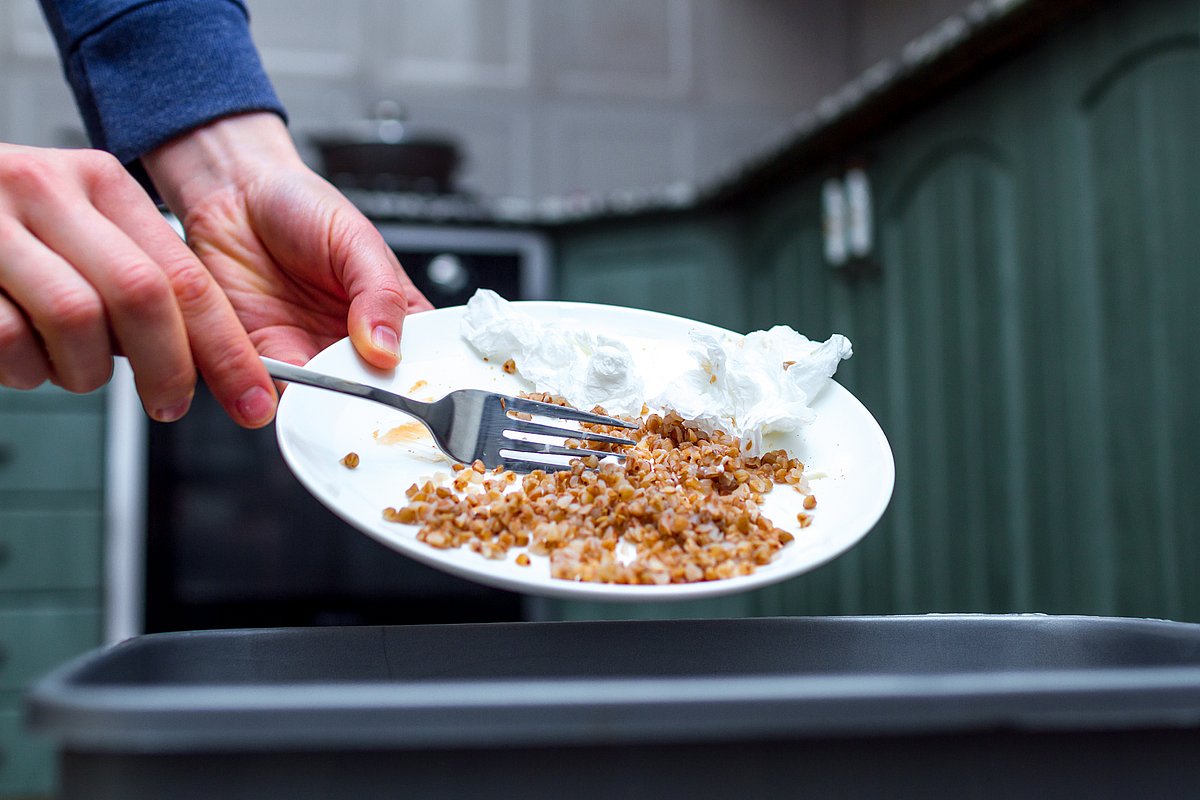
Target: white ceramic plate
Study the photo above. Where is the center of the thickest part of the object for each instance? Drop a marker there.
(844, 451)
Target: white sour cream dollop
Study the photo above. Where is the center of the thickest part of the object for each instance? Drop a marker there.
(748, 386)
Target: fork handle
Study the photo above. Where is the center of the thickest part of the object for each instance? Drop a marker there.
(290, 373)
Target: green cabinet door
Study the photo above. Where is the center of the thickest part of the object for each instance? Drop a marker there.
(687, 268)
(1034, 330)
(26, 763)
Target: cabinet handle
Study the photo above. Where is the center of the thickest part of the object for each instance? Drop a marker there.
(8, 454)
(5, 553)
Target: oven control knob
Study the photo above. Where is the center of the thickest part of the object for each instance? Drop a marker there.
(448, 273)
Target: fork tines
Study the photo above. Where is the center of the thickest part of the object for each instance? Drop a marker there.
(525, 426)
(522, 405)
(525, 447)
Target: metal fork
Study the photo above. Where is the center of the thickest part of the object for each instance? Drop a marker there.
(469, 425)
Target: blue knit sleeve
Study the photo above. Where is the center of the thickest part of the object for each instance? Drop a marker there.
(144, 71)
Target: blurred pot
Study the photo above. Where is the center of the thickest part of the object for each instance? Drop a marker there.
(384, 153)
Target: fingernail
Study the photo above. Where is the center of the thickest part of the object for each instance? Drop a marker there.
(256, 405)
(172, 413)
(386, 338)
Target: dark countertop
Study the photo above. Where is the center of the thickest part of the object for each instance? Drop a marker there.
(926, 70)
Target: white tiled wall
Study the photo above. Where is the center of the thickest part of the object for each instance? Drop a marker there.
(546, 96)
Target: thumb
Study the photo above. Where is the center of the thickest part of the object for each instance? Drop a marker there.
(378, 291)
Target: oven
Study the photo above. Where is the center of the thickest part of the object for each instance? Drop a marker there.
(209, 529)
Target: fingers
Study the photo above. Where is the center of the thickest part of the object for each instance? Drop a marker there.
(89, 267)
(23, 364)
(220, 346)
(61, 306)
(223, 352)
(133, 297)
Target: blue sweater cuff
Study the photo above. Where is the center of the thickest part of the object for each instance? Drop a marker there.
(162, 68)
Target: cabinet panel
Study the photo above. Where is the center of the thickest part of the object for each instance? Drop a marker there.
(50, 549)
(687, 269)
(955, 350)
(1140, 216)
(34, 641)
(26, 764)
(671, 286)
(62, 452)
(49, 398)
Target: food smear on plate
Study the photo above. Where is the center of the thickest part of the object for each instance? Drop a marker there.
(747, 386)
(683, 507)
(405, 433)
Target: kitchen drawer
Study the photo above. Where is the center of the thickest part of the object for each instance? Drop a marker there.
(34, 641)
(50, 549)
(26, 762)
(51, 451)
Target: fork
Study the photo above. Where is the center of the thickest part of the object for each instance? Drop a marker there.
(469, 425)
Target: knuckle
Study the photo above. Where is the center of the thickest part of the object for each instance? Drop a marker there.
(103, 169)
(175, 385)
(394, 294)
(29, 176)
(74, 311)
(388, 299)
(192, 286)
(228, 361)
(235, 355)
(141, 288)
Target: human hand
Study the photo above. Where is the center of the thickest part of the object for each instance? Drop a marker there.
(89, 269)
(301, 266)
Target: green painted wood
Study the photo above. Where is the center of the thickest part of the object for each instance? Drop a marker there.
(944, 255)
(51, 519)
(50, 398)
(1142, 213)
(26, 764)
(50, 549)
(1031, 361)
(687, 269)
(32, 641)
(51, 451)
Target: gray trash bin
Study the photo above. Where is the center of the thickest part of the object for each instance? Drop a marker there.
(973, 706)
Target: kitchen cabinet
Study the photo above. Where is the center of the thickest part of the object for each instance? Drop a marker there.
(686, 268)
(1025, 336)
(51, 538)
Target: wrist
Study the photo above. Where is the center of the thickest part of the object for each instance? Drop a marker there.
(218, 157)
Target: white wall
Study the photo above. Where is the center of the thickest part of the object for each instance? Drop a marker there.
(548, 96)
(879, 28)
(553, 96)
